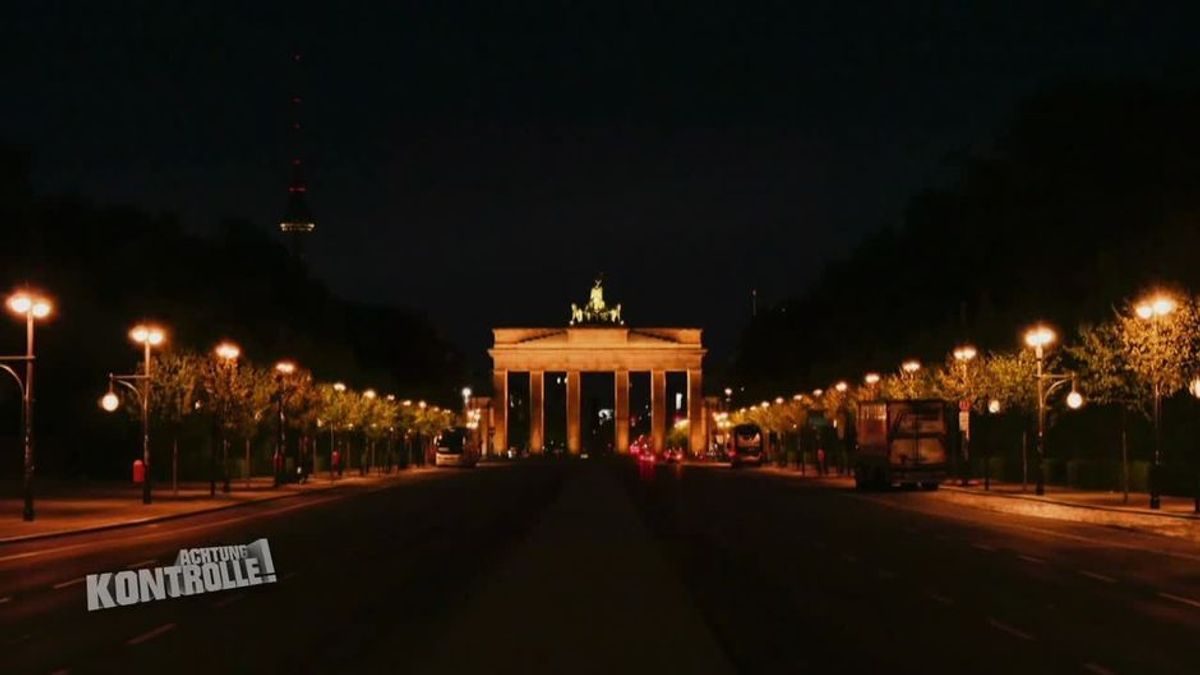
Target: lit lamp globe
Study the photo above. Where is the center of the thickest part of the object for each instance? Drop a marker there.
(1074, 400)
(110, 402)
(994, 406)
(1194, 387)
(841, 386)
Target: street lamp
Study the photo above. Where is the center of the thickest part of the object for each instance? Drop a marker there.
(841, 387)
(282, 370)
(1039, 338)
(1152, 309)
(963, 355)
(148, 336)
(30, 307)
(227, 354)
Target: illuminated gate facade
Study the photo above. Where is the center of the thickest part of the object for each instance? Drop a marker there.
(597, 341)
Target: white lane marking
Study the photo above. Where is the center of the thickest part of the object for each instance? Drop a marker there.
(938, 597)
(1102, 543)
(1029, 558)
(984, 547)
(150, 634)
(1098, 669)
(1177, 598)
(228, 601)
(1098, 577)
(1015, 632)
(143, 563)
(64, 584)
(7, 598)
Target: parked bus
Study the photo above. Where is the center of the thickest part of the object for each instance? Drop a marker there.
(746, 445)
(455, 448)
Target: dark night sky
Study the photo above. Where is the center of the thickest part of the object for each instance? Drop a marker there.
(485, 163)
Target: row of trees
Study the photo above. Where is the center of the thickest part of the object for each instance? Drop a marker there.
(236, 400)
(1147, 353)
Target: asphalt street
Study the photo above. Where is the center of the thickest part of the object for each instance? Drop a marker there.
(804, 576)
(780, 574)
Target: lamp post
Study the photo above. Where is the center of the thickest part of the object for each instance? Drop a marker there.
(1194, 390)
(908, 372)
(283, 369)
(993, 408)
(30, 307)
(963, 355)
(148, 336)
(1152, 310)
(227, 354)
(1039, 338)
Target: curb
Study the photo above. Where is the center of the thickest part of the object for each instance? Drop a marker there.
(22, 538)
(1060, 502)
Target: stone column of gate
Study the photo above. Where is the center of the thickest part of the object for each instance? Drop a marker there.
(621, 412)
(500, 411)
(537, 411)
(574, 430)
(697, 430)
(658, 409)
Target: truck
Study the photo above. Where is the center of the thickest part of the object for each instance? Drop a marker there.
(903, 442)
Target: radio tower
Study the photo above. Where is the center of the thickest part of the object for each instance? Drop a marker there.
(297, 220)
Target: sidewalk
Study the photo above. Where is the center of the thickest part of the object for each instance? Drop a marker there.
(586, 592)
(64, 507)
(1174, 519)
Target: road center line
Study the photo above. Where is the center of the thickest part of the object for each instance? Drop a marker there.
(1098, 577)
(1098, 669)
(1003, 627)
(938, 597)
(1029, 558)
(143, 563)
(984, 547)
(1181, 599)
(149, 635)
(7, 598)
(228, 601)
(64, 584)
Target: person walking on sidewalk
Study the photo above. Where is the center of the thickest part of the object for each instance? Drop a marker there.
(821, 461)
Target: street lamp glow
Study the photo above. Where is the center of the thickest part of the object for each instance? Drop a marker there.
(285, 367)
(144, 334)
(728, 391)
(1039, 336)
(778, 400)
(817, 392)
(41, 309)
(911, 366)
(421, 404)
(391, 397)
(339, 387)
(965, 353)
(369, 394)
(871, 379)
(841, 386)
(765, 404)
(228, 351)
(1159, 305)
(994, 406)
(1194, 387)
(466, 392)
(110, 401)
(1074, 400)
(1144, 310)
(20, 303)
(406, 402)
(798, 397)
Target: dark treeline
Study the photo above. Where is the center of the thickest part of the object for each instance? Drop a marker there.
(1087, 201)
(107, 267)
(1090, 197)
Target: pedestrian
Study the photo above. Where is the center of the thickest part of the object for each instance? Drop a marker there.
(821, 461)
(335, 463)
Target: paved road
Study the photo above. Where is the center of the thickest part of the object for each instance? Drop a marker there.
(798, 576)
(772, 573)
(355, 567)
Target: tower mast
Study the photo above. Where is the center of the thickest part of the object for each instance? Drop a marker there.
(297, 220)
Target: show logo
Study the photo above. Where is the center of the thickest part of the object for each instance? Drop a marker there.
(196, 570)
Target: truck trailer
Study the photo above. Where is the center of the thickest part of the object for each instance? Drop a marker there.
(903, 443)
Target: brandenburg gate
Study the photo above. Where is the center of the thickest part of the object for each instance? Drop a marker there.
(597, 340)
